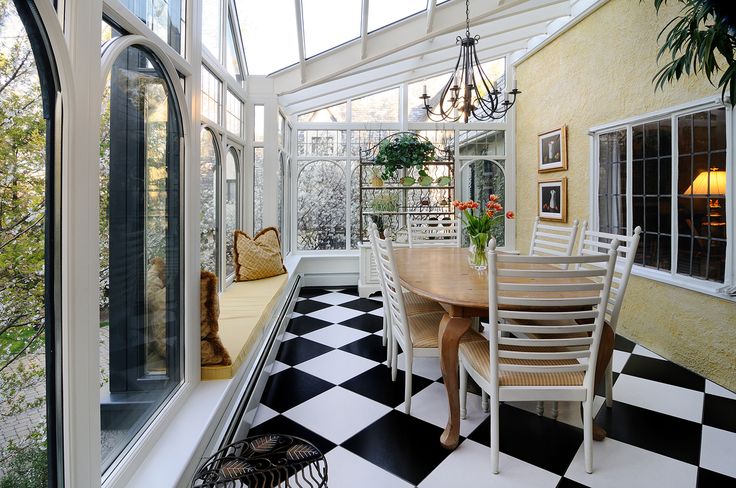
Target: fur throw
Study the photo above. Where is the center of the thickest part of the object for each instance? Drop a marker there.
(212, 349)
(156, 305)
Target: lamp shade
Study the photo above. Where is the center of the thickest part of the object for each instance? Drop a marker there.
(715, 180)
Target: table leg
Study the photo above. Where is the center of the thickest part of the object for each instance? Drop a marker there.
(605, 351)
(451, 330)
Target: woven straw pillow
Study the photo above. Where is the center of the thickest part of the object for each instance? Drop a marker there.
(259, 257)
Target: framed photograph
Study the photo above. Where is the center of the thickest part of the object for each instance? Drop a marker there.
(553, 150)
(552, 199)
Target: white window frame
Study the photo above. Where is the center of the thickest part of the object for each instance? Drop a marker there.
(672, 277)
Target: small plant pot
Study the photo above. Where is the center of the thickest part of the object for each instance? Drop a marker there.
(376, 181)
(425, 180)
(407, 181)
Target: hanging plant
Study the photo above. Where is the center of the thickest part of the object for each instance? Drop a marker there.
(694, 42)
(404, 151)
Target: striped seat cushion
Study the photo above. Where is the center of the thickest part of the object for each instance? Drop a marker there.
(477, 355)
(425, 329)
(417, 304)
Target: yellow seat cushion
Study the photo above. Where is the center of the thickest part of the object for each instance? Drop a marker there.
(258, 257)
(245, 308)
(416, 304)
(425, 329)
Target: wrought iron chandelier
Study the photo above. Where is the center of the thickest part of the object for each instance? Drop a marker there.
(469, 91)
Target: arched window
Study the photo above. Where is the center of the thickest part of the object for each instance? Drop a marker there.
(481, 177)
(232, 206)
(321, 205)
(29, 408)
(209, 174)
(140, 243)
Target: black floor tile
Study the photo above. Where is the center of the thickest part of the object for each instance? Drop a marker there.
(600, 389)
(307, 306)
(305, 324)
(719, 412)
(363, 304)
(312, 291)
(663, 371)
(403, 445)
(351, 290)
(568, 483)
(711, 479)
(670, 436)
(538, 440)
(623, 344)
(376, 384)
(291, 387)
(283, 425)
(366, 322)
(370, 347)
(298, 350)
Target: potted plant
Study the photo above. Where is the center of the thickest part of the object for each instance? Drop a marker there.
(479, 226)
(376, 180)
(405, 151)
(381, 204)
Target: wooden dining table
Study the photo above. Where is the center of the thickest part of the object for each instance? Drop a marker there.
(444, 275)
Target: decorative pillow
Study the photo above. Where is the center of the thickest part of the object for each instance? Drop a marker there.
(259, 257)
(212, 349)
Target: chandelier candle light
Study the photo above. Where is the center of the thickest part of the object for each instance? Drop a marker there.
(479, 227)
(479, 97)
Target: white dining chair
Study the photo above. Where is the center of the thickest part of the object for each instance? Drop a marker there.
(417, 334)
(552, 366)
(553, 240)
(414, 303)
(424, 232)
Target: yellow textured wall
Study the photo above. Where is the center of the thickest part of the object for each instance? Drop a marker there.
(600, 71)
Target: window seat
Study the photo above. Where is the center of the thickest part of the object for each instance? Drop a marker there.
(245, 308)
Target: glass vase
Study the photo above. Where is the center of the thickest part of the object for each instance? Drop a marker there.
(477, 251)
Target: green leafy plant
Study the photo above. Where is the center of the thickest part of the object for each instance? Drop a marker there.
(388, 202)
(694, 40)
(404, 151)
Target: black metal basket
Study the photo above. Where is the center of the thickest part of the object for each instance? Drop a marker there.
(264, 461)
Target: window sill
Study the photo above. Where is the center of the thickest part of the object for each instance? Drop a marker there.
(691, 284)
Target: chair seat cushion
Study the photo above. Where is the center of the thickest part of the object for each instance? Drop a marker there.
(417, 304)
(425, 329)
(476, 355)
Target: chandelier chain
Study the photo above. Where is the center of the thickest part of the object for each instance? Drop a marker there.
(467, 18)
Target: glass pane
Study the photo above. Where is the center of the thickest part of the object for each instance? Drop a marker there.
(258, 126)
(211, 35)
(335, 113)
(23, 254)
(280, 194)
(281, 122)
(211, 96)
(140, 333)
(384, 12)
(482, 143)
(321, 205)
(257, 21)
(433, 86)
(321, 142)
(232, 63)
(208, 177)
(233, 122)
(232, 200)
(257, 189)
(109, 32)
(322, 31)
(380, 107)
(479, 179)
(166, 18)
(612, 181)
(355, 236)
(361, 140)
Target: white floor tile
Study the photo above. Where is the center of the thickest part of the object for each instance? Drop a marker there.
(337, 414)
(619, 360)
(288, 336)
(294, 315)
(616, 464)
(567, 412)
(335, 314)
(278, 367)
(336, 366)
(336, 335)
(263, 414)
(430, 405)
(643, 351)
(715, 389)
(661, 397)
(425, 367)
(378, 312)
(470, 465)
(351, 471)
(334, 298)
(717, 451)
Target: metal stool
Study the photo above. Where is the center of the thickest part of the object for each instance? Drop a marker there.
(264, 461)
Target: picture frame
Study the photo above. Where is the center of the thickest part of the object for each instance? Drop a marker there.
(552, 150)
(552, 199)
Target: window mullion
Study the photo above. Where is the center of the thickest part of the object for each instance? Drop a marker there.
(674, 231)
(629, 180)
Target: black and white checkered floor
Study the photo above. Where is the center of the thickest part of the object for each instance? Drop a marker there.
(668, 427)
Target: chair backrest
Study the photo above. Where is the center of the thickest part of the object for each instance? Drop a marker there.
(373, 231)
(547, 302)
(433, 232)
(592, 242)
(553, 240)
(393, 294)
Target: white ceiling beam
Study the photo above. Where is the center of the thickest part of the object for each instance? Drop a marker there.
(431, 7)
(300, 39)
(394, 38)
(364, 29)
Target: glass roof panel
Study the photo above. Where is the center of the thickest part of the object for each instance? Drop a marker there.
(328, 24)
(269, 34)
(232, 61)
(384, 12)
